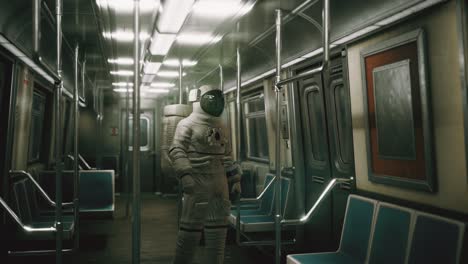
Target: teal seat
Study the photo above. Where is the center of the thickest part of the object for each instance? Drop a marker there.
(96, 191)
(354, 239)
(436, 240)
(263, 222)
(265, 206)
(391, 234)
(323, 258)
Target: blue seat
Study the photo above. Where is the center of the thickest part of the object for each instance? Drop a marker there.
(97, 191)
(391, 234)
(263, 222)
(436, 240)
(354, 239)
(264, 206)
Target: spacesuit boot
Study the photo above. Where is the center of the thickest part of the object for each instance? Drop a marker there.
(200, 155)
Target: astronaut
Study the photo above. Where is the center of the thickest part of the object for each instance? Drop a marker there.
(200, 155)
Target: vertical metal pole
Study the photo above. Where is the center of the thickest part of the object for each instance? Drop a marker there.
(36, 25)
(58, 138)
(238, 131)
(128, 181)
(76, 180)
(221, 78)
(181, 91)
(278, 213)
(326, 33)
(136, 137)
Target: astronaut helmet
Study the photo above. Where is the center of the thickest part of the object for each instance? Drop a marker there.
(211, 99)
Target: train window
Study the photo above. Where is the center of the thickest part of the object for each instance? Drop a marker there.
(37, 127)
(317, 133)
(144, 133)
(342, 124)
(255, 128)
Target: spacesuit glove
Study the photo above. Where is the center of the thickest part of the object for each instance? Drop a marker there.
(188, 184)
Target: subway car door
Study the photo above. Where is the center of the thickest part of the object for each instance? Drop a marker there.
(316, 158)
(340, 135)
(6, 97)
(147, 150)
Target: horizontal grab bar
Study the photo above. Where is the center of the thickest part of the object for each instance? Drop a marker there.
(301, 76)
(41, 191)
(331, 185)
(260, 196)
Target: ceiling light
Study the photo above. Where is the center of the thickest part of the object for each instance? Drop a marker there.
(162, 85)
(147, 78)
(157, 90)
(161, 43)
(123, 84)
(173, 17)
(123, 90)
(127, 6)
(197, 38)
(151, 67)
(125, 36)
(121, 61)
(122, 73)
(216, 8)
(169, 74)
(175, 63)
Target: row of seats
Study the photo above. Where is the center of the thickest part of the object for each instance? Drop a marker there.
(258, 216)
(97, 190)
(26, 206)
(379, 232)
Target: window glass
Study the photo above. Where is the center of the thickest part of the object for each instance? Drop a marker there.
(37, 127)
(255, 128)
(317, 131)
(144, 133)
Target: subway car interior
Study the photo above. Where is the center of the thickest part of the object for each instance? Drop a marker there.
(234, 131)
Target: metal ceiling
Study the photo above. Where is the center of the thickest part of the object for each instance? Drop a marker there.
(84, 22)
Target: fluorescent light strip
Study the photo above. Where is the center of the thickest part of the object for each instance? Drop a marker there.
(151, 67)
(124, 36)
(123, 84)
(147, 78)
(153, 90)
(173, 16)
(122, 73)
(171, 74)
(123, 90)
(176, 62)
(161, 43)
(126, 6)
(162, 85)
(195, 38)
(121, 61)
(216, 8)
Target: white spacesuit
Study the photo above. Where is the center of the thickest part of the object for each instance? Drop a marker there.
(200, 154)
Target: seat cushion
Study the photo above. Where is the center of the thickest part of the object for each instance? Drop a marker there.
(357, 226)
(391, 233)
(322, 258)
(436, 240)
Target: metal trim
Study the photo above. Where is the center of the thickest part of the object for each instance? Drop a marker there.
(462, 32)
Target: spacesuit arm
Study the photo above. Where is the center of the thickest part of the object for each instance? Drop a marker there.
(178, 151)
